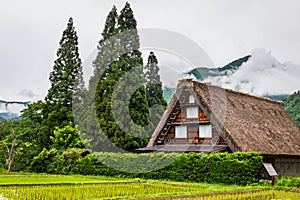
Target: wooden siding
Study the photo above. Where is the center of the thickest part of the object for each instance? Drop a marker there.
(287, 166)
(181, 117)
(202, 116)
(193, 135)
(192, 128)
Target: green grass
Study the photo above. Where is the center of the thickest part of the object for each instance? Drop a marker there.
(253, 195)
(45, 186)
(42, 179)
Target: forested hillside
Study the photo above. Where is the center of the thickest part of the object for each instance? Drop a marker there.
(292, 105)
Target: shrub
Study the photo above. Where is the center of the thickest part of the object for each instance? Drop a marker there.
(263, 182)
(2, 170)
(288, 181)
(239, 168)
(41, 162)
(67, 162)
(229, 168)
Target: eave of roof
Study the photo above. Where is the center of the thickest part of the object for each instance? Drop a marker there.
(205, 148)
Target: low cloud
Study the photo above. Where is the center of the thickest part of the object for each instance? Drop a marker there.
(28, 94)
(262, 74)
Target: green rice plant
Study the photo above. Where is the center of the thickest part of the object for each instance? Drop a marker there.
(256, 195)
(88, 191)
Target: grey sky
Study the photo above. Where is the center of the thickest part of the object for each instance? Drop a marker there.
(226, 29)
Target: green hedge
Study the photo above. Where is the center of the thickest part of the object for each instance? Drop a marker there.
(288, 181)
(239, 168)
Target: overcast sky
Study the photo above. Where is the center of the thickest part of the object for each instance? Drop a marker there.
(226, 29)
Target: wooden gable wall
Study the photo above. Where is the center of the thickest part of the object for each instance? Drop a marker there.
(192, 126)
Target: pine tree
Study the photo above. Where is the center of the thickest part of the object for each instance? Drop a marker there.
(131, 63)
(154, 89)
(132, 60)
(127, 25)
(107, 53)
(125, 42)
(106, 47)
(66, 80)
(102, 83)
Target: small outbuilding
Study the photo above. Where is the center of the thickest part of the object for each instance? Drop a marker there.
(267, 172)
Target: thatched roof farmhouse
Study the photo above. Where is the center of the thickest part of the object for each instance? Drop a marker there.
(205, 118)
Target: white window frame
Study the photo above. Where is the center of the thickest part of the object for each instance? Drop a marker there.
(192, 114)
(191, 99)
(181, 131)
(205, 131)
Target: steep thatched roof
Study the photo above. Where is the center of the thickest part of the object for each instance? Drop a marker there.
(246, 122)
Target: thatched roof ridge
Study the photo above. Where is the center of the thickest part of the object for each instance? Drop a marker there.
(238, 92)
(246, 122)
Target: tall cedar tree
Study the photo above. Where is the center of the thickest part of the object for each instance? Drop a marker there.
(101, 87)
(154, 89)
(106, 49)
(66, 80)
(132, 60)
(123, 56)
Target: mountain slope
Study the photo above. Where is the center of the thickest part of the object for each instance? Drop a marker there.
(6, 113)
(8, 116)
(202, 73)
(292, 106)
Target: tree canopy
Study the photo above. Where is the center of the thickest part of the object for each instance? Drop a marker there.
(155, 98)
(66, 81)
(121, 64)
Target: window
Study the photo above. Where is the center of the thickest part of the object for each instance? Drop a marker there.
(192, 112)
(191, 99)
(180, 131)
(205, 131)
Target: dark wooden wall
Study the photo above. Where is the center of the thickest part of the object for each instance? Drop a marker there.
(193, 128)
(287, 166)
(284, 165)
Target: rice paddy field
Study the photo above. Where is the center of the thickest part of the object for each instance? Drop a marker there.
(42, 186)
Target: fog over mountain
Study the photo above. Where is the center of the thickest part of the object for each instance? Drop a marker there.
(261, 74)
